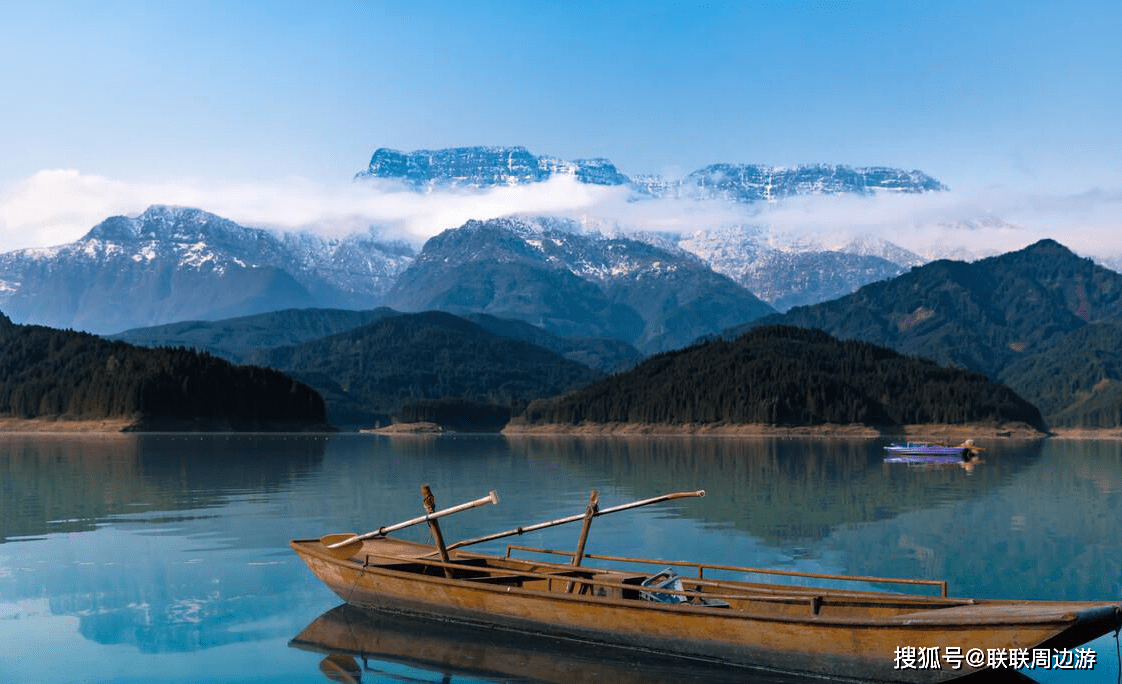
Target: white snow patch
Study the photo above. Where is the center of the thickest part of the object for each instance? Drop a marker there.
(147, 253)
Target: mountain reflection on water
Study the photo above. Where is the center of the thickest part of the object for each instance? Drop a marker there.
(72, 484)
(175, 547)
(782, 490)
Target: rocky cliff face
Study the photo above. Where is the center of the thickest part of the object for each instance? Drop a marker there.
(485, 167)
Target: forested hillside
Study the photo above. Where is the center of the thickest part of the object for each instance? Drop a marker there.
(1078, 382)
(238, 339)
(780, 375)
(367, 375)
(1007, 316)
(48, 373)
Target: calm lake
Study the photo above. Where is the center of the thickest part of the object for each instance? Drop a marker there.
(164, 557)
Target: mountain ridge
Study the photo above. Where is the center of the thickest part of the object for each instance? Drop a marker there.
(572, 283)
(179, 263)
(985, 316)
(478, 167)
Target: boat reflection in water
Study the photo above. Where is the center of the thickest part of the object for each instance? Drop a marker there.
(371, 646)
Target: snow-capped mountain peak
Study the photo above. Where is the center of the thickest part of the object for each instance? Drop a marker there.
(484, 167)
(179, 263)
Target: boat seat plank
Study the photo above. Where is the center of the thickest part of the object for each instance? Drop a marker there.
(503, 579)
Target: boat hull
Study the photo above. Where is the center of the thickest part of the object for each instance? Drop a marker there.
(858, 643)
(925, 450)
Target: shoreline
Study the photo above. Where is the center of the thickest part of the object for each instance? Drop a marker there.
(924, 432)
(110, 426)
(119, 426)
(127, 426)
(1087, 433)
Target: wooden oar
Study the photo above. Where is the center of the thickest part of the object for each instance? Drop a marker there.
(341, 668)
(345, 545)
(589, 514)
(429, 502)
(574, 518)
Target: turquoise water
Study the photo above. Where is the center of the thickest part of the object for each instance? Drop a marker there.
(165, 557)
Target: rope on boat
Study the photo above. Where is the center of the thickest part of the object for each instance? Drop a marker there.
(355, 584)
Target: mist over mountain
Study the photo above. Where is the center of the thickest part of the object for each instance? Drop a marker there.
(788, 274)
(555, 280)
(172, 264)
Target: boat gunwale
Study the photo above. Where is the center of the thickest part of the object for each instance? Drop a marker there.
(941, 584)
(914, 620)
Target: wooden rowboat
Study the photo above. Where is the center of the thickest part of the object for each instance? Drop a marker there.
(840, 634)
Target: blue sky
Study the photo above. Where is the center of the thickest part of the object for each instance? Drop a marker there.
(1022, 96)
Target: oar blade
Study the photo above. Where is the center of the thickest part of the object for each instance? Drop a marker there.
(344, 551)
(341, 668)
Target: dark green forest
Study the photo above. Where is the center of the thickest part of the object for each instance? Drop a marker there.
(1078, 381)
(238, 339)
(458, 414)
(781, 375)
(1006, 316)
(368, 374)
(46, 372)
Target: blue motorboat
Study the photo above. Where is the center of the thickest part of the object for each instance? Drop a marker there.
(923, 452)
(924, 449)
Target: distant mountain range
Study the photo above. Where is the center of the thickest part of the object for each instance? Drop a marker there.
(798, 273)
(572, 284)
(174, 264)
(786, 275)
(576, 298)
(1040, 319)
(485, 167)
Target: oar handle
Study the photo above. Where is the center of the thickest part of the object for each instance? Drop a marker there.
(644, 502)
(491, 498)
(574, 518)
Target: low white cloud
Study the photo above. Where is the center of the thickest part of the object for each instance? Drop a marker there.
(948, 223)
(58, 206)
(954, 224)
